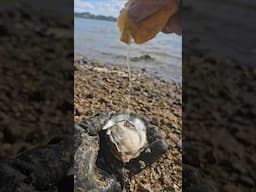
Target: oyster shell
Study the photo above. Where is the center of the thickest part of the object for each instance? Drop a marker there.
(126, 135)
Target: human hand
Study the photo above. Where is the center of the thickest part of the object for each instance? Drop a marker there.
(142, 20)
(140, 10)
(174, 24)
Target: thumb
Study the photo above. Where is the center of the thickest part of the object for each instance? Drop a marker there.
(174, 24)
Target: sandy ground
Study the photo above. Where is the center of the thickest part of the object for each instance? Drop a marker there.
(100, 88)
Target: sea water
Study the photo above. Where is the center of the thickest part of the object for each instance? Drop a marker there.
(164, 49)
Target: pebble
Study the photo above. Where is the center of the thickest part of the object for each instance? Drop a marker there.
(179, 144)
(142, 164)
(144, 188)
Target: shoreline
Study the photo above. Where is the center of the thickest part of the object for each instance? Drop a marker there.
(80, 59)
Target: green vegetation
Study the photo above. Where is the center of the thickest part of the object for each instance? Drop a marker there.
(88, 15)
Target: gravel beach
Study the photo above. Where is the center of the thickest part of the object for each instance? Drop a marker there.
(99, 87)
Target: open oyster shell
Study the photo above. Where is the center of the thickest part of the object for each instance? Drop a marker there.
(126, 135)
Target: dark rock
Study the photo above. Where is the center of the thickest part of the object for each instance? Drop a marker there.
(200, 188)
(247, 181)
(210, 157)
(190, 176)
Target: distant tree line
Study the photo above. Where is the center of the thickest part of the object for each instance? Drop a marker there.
(88, 15)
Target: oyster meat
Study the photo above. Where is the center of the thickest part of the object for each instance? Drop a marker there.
(126, 135)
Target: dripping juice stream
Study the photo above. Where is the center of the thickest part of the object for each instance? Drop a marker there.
(129, 77)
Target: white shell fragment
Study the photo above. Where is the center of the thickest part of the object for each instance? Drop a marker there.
(128, 134)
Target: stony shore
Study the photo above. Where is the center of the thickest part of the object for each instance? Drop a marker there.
(34, 75)
(100, 88)
(218, 118)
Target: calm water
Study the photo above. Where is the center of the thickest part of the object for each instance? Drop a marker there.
(99, 41)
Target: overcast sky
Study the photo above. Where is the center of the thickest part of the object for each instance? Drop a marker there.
(100, 7)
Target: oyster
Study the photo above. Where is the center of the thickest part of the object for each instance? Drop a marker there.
(127, 136)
